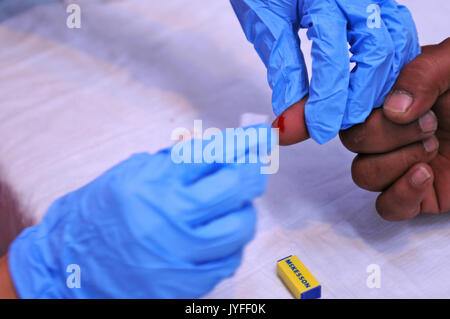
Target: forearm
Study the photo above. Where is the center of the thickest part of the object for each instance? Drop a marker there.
(7, 290)
(11, 223)
(12, 213)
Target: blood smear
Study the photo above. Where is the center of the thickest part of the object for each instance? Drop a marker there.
(280, 123)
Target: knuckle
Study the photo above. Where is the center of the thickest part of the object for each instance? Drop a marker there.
(344, 136)
(409, 156)
(398, 203)
(364, 174)
(360, 138)
(382, 211)
(391, 214)
(392, 207)
(414, 154)
(354, 137)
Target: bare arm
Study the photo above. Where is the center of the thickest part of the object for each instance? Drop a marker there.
(7, 290)
(11, 222)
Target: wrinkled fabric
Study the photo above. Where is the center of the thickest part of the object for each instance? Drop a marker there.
(311, 207)
(147, 228)
(338, 97)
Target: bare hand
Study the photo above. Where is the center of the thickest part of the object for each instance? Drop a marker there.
(404, 148)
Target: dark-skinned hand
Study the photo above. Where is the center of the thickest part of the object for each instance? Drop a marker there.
(403, 148)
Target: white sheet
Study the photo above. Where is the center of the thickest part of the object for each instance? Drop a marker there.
(75, 102)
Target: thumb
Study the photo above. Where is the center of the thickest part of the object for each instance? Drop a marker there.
(419, 84)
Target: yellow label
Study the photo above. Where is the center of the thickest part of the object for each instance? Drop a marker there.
(297, 278)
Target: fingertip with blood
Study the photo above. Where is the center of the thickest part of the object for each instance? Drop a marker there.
(291, 124)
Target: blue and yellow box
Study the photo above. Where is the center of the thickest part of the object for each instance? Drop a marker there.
(297, 278)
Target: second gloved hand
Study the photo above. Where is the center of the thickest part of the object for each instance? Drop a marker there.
(147, 228)
(382, 37)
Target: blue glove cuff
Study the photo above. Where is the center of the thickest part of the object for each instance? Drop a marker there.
(28, 270)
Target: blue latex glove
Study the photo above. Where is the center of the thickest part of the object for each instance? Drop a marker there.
(147, 228)
(338, 98)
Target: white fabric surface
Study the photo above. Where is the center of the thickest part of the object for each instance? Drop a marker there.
(75, 102)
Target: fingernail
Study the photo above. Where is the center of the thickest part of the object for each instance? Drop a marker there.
(398, 101)
(431, 144)
(420, 176)
(428, 122)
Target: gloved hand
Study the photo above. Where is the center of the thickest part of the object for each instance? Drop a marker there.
(338, 98)
(147, 228)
